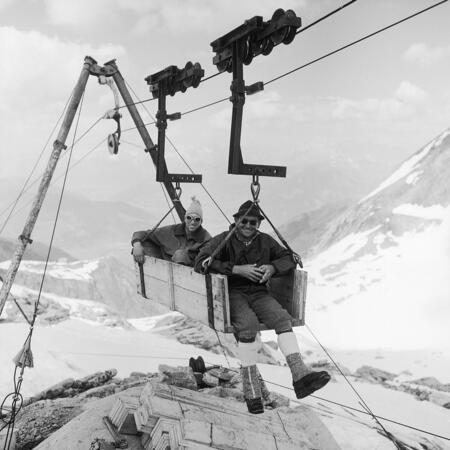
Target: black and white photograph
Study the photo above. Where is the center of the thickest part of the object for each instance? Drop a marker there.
(225, 224)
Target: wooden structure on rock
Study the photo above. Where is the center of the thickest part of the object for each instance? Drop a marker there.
(205, 297)
(176, 418)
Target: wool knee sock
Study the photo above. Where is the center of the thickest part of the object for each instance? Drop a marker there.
(247, 352)
(289, 347)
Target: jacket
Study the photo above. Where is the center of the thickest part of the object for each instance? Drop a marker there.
(262, 250)
(165, 242)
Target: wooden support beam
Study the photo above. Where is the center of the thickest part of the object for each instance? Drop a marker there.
(58, 146)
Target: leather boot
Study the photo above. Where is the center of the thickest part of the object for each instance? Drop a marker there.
(310, 383)
(252, 389)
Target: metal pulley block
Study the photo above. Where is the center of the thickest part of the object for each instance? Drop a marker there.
(113, 143)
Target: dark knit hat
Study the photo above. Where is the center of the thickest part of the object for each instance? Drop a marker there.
(254, 210)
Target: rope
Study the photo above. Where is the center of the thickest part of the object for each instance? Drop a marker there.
(17, 304)
(182, 158)
(27, 344)
(301, 30)
(314, 60)
(22, 191)
(223, 348)
(362, 401)
(295, 255)
(211, 76)
(60, 176)
(62, 156)
(355, 42)
(347, 407)
(206, 264)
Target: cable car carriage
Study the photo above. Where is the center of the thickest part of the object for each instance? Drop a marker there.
(205, 297)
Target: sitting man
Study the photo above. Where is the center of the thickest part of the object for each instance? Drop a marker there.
(250, 258)
(178, 243)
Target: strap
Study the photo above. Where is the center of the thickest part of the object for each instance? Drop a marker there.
(209, 298)
(296, 256)
(208, 261)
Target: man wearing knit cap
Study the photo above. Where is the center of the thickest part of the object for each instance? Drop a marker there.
(178, 243)
(249, 259)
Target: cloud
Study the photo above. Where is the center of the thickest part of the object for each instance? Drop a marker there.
(45, 76)
(264, 105)
(180, 16)
(5, 3)
(421, 53)
(79, 13)
(409, 92)
(406, 100)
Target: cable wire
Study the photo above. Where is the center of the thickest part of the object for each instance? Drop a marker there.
(343, 405)
(301, 30)
(355, 42)
(18, 384)
(181, 156)
(63, 155)
(362, 401)
(22, 191)
(316, 59)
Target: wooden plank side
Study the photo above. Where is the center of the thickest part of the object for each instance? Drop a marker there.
(191, 304)
(156, 279)
(221, 308)
(300, 288)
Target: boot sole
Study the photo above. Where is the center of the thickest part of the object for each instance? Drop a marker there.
(311, 383)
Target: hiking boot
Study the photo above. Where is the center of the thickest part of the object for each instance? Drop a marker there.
(310, 383)
(255, 405)
(252, 389)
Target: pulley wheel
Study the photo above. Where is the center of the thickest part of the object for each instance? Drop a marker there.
(247, 52)
(222, 66)
(113, 144)
(278, 35)
(290, 35)
(267, 46)
(187, 82)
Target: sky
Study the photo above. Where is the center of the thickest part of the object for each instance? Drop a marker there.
(361, 111)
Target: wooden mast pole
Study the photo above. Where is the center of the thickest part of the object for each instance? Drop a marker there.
(58, 146)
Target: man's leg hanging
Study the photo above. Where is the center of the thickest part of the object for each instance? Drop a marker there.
(305, 381)
(249, 372)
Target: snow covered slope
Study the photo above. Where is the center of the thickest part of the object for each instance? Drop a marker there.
(379, 277)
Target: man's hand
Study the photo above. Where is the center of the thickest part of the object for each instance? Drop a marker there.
(249, 271)
(266, 271)
(138, 252)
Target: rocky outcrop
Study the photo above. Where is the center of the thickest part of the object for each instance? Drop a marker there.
(106, 281)
(374, 375)
(428, 388)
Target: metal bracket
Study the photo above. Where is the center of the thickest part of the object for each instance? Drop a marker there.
(108, 70)
(168, 82)
(232, 51)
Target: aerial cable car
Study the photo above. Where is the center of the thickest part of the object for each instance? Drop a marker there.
(204, 297)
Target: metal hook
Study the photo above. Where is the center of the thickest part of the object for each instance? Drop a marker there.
(255, 187)
(178, 190)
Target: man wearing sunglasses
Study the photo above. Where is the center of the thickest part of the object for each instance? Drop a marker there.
(178, 243)
(249, 259)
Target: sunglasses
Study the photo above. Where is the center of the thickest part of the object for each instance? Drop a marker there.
(195, 219)
(253, 223)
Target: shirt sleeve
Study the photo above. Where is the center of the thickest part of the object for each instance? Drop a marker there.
(220, 263)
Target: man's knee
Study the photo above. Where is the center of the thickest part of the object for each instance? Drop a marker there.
(281, 322)
(246, 328)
